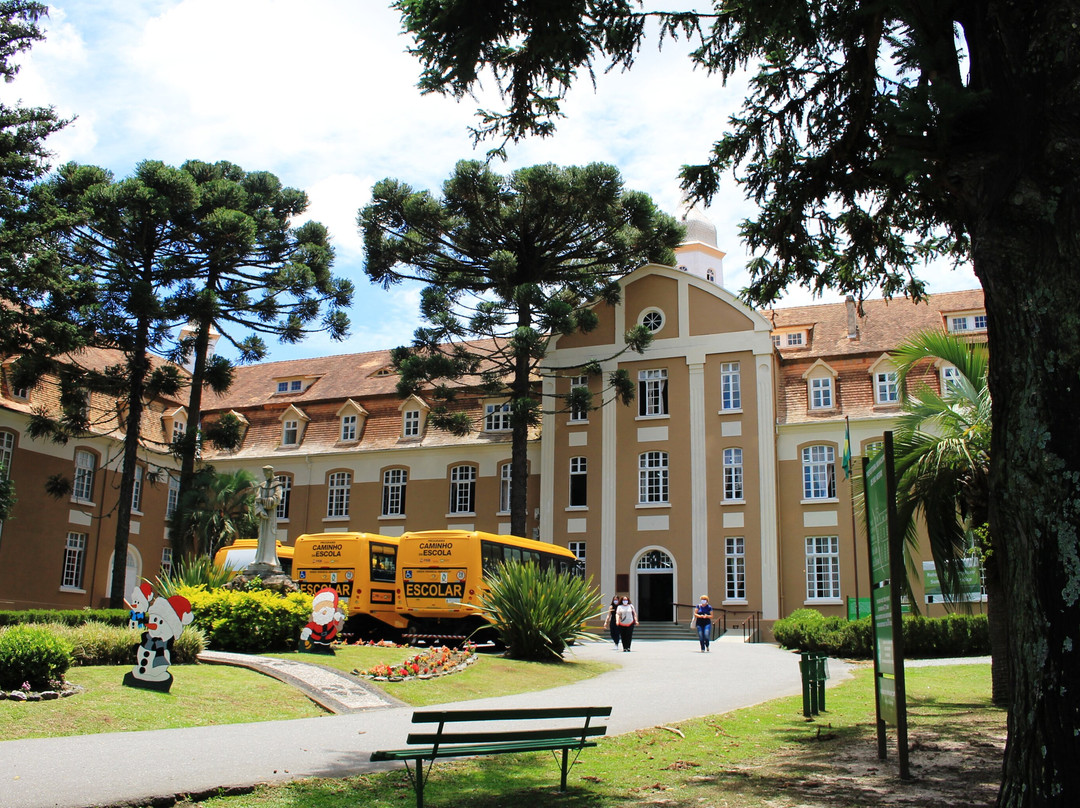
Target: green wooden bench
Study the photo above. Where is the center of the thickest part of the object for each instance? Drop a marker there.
(472, 733)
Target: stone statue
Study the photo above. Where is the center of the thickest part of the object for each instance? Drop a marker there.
(266, 503)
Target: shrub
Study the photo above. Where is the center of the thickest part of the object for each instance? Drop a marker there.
(69, 617)
(101, 644)
(197, 571)
(32, 655)
(538, 612)
(248, 621)
(952, 635)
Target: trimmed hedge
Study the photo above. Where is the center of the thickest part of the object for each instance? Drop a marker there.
(101, 644)
(68, 617)
(955, 635)
(248, 622)
(32, 656)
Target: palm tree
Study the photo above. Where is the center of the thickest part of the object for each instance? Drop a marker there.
(942, 456)
(217, 510)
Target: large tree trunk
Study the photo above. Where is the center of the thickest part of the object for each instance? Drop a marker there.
(1027, 255)
(998, 628)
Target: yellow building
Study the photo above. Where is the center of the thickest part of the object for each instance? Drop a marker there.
(724, 476)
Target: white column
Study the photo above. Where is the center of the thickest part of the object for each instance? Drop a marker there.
(609, 473)
(770, 534)
(548, 436)
(699, 510)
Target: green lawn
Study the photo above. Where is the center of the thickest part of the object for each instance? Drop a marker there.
(766, 756)
(204, 695)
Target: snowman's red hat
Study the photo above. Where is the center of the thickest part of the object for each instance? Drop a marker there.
(174, 612)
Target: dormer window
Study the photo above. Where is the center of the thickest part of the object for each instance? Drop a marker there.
(20, 393)
(410, 423)
(820, 386)
(885, 381)
(795, 339)
(293, 422)
(497, 417)
(290, 433)
(791, 337)
(175, 423)
(291, 385)
(351, 418)
(963, 323)
(413, 414)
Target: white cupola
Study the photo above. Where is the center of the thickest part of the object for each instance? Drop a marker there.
(698, 254)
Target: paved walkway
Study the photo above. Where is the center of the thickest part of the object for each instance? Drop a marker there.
(659, 682)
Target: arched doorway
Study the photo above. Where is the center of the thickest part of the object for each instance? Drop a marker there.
(655, 586)
(131, 571)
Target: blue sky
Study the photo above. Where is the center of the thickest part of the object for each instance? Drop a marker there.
(322, 93)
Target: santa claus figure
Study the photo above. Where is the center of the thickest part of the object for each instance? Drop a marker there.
(325, 617)
(165, 621)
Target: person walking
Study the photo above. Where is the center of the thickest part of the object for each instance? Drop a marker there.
(703, 622)
(610, 623)
(626, 615)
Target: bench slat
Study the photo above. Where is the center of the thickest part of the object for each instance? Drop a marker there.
(505, 736)
(468, 750)
(520, 714)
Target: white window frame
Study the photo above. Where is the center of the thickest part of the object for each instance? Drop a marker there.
(653, 393)
(7, 453)
(735, 569)
(579, 415)
(136, 490)
(819, 473)
(653, 320)
(179, 428)
(339, 485)
(166, 562)
(653, 479)
(463, 490)
(795, 339)
(733, 475)
(886, 387)
(950, 376)
(497, 417)
(821, 393)
(71, 578)
(730, 386)
(410, 424)
(172, 498)
(82, 487)
(349, 427)
(290, 432)
(505, 477)
(979, 326)
(285, 482)
(578, 549)
(282, 387)
(822, 568)
(578, 483)
(395, 482)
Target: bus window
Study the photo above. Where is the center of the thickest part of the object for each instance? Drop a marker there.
(513, 554)
(530, 556)
(383, 562)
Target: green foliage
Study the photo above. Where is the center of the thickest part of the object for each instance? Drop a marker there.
(215, 511)
(198, 571)
(955, 635)
(32, 655)
(538, 612)
(95, 643)
(69, 617)
(248, 622)
(510, 262)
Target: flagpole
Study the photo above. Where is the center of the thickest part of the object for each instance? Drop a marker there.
(851, 493)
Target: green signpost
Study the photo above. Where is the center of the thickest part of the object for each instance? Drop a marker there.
(886, 569)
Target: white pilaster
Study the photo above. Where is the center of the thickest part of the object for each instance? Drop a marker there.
(699, 510)
(770, 534)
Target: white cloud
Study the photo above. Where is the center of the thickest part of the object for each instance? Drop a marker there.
(323, 94)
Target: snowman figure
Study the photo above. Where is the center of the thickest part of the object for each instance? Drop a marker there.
(323, 628)
(139, 602)
(165, 621)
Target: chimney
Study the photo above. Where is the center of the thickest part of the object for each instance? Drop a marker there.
(852, 318)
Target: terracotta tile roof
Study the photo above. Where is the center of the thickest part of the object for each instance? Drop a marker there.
(883, 325)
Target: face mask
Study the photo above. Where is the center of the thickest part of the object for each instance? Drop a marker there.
(625, 603)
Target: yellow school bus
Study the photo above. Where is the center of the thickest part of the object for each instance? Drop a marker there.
(441, 576)
(361, 568)
(241, 552)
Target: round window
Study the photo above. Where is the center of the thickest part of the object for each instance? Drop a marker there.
(653, 320)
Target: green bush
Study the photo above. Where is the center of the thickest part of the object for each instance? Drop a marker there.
(538, 612)
(69, 617)
(924, 637)
(32, 655)
(248, 621)
(193, 572)
(101, 644)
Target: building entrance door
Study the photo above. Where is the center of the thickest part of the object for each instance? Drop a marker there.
(655, 587)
